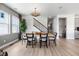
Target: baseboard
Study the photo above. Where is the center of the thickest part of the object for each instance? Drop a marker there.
(5, 45)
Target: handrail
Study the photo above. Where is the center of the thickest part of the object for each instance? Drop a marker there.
(40, 23)
(37, 27)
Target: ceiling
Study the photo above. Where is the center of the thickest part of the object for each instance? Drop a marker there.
(45, 9)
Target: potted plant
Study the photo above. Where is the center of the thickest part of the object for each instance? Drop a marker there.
(23, 26)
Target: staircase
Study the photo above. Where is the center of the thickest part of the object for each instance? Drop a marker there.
(39, 26)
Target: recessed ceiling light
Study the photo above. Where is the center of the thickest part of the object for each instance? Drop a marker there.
(49, 16)
(60, 7)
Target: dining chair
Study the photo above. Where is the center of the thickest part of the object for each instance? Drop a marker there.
(43, 39)
(23, 37)
(3, 53)
(30, 39)
(52, 37)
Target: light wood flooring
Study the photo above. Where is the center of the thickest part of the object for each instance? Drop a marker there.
(63, 48)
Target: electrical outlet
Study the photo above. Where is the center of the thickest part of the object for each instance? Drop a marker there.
(4, 41)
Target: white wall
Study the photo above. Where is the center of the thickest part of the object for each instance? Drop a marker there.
(70, 25)
(55, 26)
(29, 21)
(76, 25)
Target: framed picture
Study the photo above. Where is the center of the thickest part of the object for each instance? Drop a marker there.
(1, 15)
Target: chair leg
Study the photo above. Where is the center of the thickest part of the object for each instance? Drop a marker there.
(26, 43)
(46, 44)
(49, 42)
(55, 43)
(32, 43)
(35, 41)
(40, 43)
(22, 41)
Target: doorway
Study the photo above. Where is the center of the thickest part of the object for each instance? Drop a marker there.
(49, 24)
(62, 28)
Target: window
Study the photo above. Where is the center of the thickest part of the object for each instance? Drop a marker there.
(15, 24)
(4, 23)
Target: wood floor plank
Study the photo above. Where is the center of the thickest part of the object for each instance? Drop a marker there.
(63, 48)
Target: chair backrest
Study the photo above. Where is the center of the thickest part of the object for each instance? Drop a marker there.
(30, 35)
(43, 35)
(3, 53)
(23, 36)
